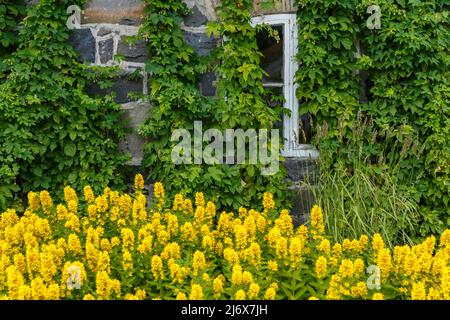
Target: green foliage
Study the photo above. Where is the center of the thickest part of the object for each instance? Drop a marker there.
(410, 74)
(177, 101)
(408, 94)
(10, 14)
(51, 132)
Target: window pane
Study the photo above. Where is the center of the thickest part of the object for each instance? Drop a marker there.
(272, 49)
(305, 126)
(275, 98)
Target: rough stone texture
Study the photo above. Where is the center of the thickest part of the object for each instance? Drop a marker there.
(84, 42)
(113, 11)
(106, 50)
(121, 87)
(202, 44)
(206, 7)
(299, 169)
(136, 53)
(135, 115)
(302, 198)
(195, 19)
(207, 84)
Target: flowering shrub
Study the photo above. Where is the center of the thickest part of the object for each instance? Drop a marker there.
(111, 246)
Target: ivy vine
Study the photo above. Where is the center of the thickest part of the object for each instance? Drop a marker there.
(51, 132)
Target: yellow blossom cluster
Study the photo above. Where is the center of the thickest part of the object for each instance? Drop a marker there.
(112, 246)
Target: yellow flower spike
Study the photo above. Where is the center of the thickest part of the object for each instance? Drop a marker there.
(377, 242)
(321, 267)
(444, 240)
(199, 199)
(199, 262)
(196, 292)
(418, 291)
(268, 202)
(384, 262)
(61, 212)
(270, 294)
(218, 287)
(181, 296)
(377, 296)
(317, 226)
(236, 276)
(157, 267)
(139, 183)
(240, 295)
(253, 291)
(89, 196)
(46, 201)
(70, 195)
(33, 201)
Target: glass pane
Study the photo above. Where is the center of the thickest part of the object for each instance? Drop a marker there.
(272, 49)
(275, 98)
(305, 126)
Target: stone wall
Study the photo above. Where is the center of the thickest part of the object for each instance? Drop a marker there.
(101, 40)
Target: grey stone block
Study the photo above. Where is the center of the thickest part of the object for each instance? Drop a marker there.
(202, 44)
(83, 41)
(303, 170)
(135, 115)
(106, 50)
(303, 200)
(195, 18)
(207, 84)
(135, 53)
(123, 85)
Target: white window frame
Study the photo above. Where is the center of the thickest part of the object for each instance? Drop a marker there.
(290, 123)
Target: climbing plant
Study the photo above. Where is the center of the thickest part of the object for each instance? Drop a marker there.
(177, 102)
(403, 68)
(10, 14)
(51, 132)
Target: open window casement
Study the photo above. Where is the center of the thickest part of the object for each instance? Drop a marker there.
(280, 64)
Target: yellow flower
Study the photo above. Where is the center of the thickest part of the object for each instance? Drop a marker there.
(139, 182)
(61, 212)
(217, 287)
(157, 267)
(346, 268)
(273, 266)
(384, 262)
(313, 298)
(103, 287)
(418, 291)
(199, 199)
(196, 292)
(231, 256)
(115, 241)
(253, 291)
(295, 250)
(325, 246)
(199, 262)
(270, 294)
(74, 244)
(247, 278)
(445, 282)
(317, 225)
(181, 296)
(358, 266)
(46, 201)
(127, 238)
(445, 238)
(88, 194)
(359, 290)
(236, 275)
(240, 295)
(377, 296)
(321, 267)
(268, 202)
(33, 201)
(127, 260)
(377, 242)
